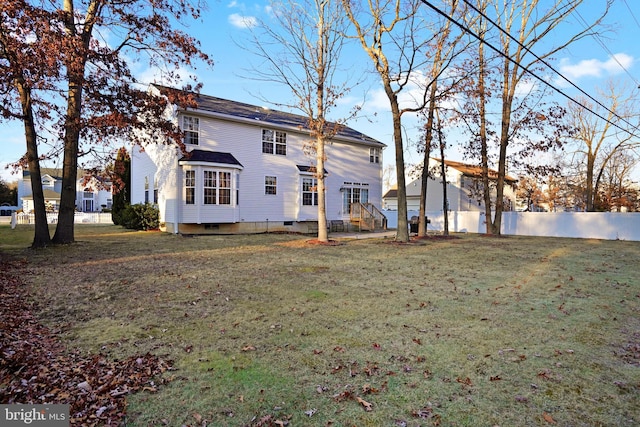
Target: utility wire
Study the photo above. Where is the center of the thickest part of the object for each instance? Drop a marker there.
(480, 39)
(558, 73)
(631, 12)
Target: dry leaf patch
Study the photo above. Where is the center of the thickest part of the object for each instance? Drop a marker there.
(36, 368)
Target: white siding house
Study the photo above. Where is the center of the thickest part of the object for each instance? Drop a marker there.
(91, 195)
(246, 170)
(464, 189)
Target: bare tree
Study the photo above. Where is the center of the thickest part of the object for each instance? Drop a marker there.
(309, 35)
(443, 174)
(444, 49)
(517, 27)
(394, 35)
(616, 192)
(598, 139)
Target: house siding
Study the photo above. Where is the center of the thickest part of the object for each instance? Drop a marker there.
(346, 162)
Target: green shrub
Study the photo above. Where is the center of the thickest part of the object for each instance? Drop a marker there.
(116, 216)
(141, 216)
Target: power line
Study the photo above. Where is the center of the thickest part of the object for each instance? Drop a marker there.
(498, 51)
(558, 73)
(631, 12)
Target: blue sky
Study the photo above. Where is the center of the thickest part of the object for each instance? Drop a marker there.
(589, 64)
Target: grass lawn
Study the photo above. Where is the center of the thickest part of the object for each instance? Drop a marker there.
(271, 330)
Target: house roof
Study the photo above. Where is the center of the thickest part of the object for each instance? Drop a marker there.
(210, 157)
(52, 172)
(237, 109)
(475, 171)
(57, 175)
(48, 195)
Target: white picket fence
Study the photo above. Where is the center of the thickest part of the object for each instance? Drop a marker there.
(591, 225)
(80, 218)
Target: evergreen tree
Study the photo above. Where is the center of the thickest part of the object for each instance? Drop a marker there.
(121, 185)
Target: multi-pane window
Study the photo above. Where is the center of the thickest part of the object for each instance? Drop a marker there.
(210, 187)
(309, 192)
(270, 184)
(274, 142)
(146, 189)
(190, 187)
(224, 190)
(374, 155)
(191, 129)
(281, 143)
(217, 188)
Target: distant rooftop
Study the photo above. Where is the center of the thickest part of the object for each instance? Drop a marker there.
(475, 171)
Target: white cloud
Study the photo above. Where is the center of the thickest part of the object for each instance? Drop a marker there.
(525, 87)
(616, 64)
(240, 21)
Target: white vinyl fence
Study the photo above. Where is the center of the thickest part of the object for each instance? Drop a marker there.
(591, 225)
(80, 218)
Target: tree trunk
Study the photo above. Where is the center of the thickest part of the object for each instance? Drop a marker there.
(443, 173)
(590, 197)
(75, 65)
(402, 233)
(41, 237)
(424, 181)
(66, 216)
(320, 127)
(484, 156)
(422, 224)
(322, 209)
(509, 85)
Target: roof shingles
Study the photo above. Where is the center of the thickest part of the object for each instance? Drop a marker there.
(241, 110)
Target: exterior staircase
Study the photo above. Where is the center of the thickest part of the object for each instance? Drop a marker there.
(367, 217)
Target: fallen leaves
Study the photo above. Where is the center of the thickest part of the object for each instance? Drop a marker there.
(465, 382)
(349, 394)
(366, 405)
(36, 368)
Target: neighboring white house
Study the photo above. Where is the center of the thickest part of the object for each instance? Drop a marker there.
(464, 189)
(248, 169)
(91, 195)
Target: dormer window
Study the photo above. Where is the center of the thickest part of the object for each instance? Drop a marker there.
(191, 129)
